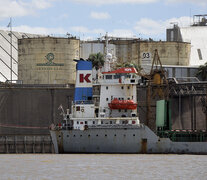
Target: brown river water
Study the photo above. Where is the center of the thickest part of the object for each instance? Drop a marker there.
(102, 166)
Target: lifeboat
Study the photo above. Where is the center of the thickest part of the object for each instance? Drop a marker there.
(122, 104)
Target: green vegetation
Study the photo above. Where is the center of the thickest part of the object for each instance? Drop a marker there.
(202, 72)
(97, 60)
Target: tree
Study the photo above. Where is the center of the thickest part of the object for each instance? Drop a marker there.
(97, 60)
(202, 72)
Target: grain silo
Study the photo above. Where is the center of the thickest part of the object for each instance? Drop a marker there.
(171, 53)
(47, 60)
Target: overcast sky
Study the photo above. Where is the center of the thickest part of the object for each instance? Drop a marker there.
(93, 18)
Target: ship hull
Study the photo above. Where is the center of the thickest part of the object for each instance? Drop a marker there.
(120, 140)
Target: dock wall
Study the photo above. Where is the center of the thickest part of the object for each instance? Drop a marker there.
(26, 144)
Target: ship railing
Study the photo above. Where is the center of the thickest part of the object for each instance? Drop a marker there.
(121, 126)
(105, 118)
(84, 102)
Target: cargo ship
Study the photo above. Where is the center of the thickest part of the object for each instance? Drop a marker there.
(109, 123)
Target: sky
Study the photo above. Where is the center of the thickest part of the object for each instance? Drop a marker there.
(91, 19)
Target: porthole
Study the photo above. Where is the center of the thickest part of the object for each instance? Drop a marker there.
(105, 135)
(133, 134)
(67, 135)
(114, 134)
(74, 135)
(97, 135)
(89, 135)
(81, 135)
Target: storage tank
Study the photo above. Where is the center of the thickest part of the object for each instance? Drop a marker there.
(170, 53)
(47, 60)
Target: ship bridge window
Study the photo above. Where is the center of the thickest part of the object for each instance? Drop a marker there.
(117, 76)
(108, 76)
(128, 76)
(77, 108)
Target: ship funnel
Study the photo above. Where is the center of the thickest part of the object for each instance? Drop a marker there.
(83, 86)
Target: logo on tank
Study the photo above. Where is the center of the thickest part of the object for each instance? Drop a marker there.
(50, 61)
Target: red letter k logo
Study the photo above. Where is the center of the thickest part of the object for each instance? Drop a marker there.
(82, 78)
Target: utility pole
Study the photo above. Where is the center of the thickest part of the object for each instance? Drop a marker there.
(11, 45)
(10, 25)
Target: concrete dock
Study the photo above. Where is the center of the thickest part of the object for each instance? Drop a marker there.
(26, 144)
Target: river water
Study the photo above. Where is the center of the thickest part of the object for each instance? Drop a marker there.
(102, 166)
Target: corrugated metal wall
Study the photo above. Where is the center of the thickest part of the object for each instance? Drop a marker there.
(31, 110)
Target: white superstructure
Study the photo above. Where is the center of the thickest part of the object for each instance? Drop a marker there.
(118, 99)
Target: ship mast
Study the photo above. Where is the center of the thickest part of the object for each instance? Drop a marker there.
(108, 56)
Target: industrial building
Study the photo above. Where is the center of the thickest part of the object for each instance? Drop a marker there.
(30, 63)
(9, 53)
(20, 67)
(140, 52)
(194, 34)
(47, 60)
